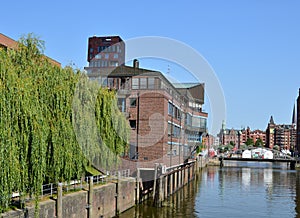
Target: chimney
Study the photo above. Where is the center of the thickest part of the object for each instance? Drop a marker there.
(135, 63)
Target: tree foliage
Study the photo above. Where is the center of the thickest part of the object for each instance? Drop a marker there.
(259, 143)
(249, 142)
(38, 139)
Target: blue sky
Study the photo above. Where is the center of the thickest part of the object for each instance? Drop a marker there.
(253, 46)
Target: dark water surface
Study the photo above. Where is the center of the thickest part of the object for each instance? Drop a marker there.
(243, 190)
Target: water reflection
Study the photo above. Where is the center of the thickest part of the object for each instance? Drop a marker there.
(180, 204)
(236, 190)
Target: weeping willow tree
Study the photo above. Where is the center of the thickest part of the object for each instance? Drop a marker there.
(100, 128)
(39, 142)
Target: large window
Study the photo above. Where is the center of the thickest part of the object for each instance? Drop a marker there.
(173, 130)
(188, 119)
(122, 104)
(151, 83)
(135, 83)
(143, 83)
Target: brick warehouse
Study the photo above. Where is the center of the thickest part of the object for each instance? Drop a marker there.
(166, 119)
(8, 43)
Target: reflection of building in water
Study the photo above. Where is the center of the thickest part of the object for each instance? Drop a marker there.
(246, 177)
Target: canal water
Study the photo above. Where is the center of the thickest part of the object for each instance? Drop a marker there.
(242, 190)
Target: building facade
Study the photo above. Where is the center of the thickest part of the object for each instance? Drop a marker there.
(282, 135)
(166, 119)
(238, 137)
(105, 52)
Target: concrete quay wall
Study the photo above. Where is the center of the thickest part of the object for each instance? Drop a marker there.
(107, 201)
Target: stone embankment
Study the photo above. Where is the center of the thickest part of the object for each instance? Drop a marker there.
(111, 199)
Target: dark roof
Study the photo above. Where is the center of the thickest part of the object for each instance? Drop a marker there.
(121, 71)
(130, 71)
(195, 90)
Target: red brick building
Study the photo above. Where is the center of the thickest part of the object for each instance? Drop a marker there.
(106, 51)
(8, 43)
(282, 135)
(239, 137)
(166, 119)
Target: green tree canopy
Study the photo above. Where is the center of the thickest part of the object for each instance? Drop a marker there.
(249, 142)
(259, 143)
(38, 139)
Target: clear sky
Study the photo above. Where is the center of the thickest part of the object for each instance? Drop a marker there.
(252, 45)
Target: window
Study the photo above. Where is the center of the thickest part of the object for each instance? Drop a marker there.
(132, 124)
(106, 56)
(203, 123)
(169, 129)
(188, 119)
(170, 108)
(116, 56)
(143, 83)
(178, 114)
(132, 102)
(121, 104)
(98, 56)
(135, 83)
(110, 82)
(114, 63)
(151, 83)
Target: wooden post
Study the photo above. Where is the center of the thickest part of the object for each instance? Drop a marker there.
(166, 186)
(154, 182)
(90, 199)
(179, 178)
(175, 181)
(161, 191)
(138, 186)
(171, 183)
(59, 201)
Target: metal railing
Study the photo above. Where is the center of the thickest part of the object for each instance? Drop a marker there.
(49, 190)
